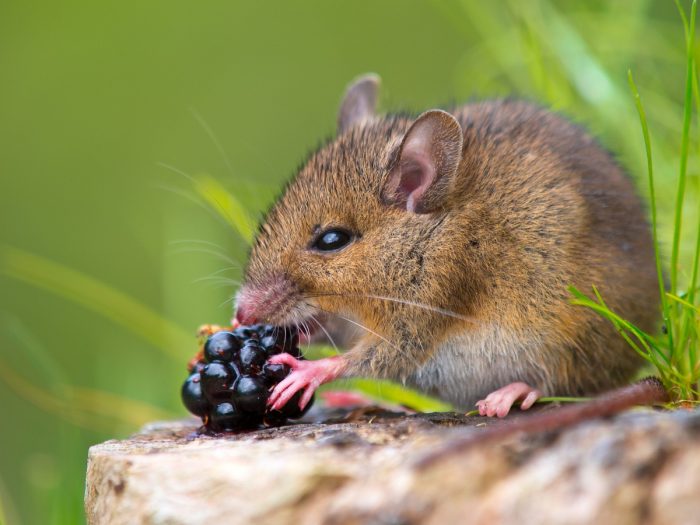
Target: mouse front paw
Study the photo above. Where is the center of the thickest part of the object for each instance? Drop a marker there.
(304, 375)
(499, 402)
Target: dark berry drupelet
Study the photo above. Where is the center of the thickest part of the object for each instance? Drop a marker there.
(230, 382)
(192, 395)
(216, 378)
(252, 357)
(221, 346)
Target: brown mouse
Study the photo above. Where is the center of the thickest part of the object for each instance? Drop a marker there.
(451, 238)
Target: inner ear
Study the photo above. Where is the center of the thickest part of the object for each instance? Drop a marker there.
(427, 162)
(416, 176)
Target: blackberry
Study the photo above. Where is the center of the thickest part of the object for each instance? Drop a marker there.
(230, 380)
(267, 330)
(292, 410)
(216, 378)
(198, 367)
(192, 396)
(251, 394)
(244, 333)
(253, 357)
(280, 339)
(221, 347)
(288, 339)
(225, 416)
(269, 344)
(274, 373)
(274, 418)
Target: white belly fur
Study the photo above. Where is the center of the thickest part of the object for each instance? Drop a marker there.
(467, 368)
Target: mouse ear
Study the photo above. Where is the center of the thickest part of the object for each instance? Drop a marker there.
(359, 102)
(422, 174)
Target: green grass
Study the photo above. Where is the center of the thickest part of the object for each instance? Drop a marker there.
(102, 273)
(673, 355)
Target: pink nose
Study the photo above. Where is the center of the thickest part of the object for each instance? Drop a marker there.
(263, 302)
(243, 314)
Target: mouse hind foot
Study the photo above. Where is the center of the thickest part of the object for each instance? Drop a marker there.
(499, 402)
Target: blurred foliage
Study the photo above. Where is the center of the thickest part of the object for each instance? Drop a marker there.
(136, 140)
(674, 354)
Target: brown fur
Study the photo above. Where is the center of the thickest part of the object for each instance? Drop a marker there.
(536, 205)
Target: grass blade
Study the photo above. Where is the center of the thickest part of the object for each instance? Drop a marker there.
(388, 391)
(652, 198)
(379, 390)
(8, 512)
(84, 407)
(682, 301)
(226, 205)
(685, 139)
(96, 297)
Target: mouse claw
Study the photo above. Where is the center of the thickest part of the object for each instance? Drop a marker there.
(304, 375)
(499, 402)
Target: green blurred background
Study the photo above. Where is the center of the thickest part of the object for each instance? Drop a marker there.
(116, 117)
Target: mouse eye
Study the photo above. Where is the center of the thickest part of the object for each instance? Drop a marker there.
(332, 240)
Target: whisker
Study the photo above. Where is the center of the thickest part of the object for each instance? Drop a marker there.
(193, 199)
(225, 269)
(207, 251)
(308, 334)
(313, 318)
(197, 241)
(185, 194)
(369, 330)
(229, 300)
(200, 120)
(216, 276)
(176, 170)
(219, 282)
(296, 326)
(363, 327)
(435, 309)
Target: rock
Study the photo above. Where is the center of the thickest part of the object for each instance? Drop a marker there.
(370, 466)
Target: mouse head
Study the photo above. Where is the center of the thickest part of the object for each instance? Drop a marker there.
(353, 232)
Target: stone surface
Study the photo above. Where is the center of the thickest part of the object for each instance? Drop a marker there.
(369, 466)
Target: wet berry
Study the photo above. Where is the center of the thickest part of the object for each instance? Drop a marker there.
(243, 333)
(292, 410)
(269, 344)
(274, 418)
(221, 347)
(259, 328)
(230, 380)
(267, 330)
(225, 416)
(234, 370)
(274, 373)
(253, 357)
(251, 394)
(288, 339)
(198, 367)
(192, 396)
(216, 379)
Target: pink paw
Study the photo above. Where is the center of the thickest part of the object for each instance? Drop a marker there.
(305, 375)
(499, 402)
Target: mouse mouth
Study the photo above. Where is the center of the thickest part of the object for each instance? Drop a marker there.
(278, 301)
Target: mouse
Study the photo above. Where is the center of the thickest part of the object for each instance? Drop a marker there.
(439, 248)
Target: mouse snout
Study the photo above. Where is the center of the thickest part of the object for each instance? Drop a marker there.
(269, 302)
(243, 315)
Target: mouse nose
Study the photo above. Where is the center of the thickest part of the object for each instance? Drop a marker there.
(269, 301)
(243, 312)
